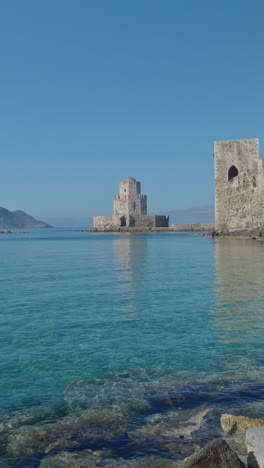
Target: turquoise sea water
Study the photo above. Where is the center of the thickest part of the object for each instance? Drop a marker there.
(162, 308)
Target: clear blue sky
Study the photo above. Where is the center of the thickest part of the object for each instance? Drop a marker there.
(95, 91)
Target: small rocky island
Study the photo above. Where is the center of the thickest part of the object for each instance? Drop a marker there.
(19, 219)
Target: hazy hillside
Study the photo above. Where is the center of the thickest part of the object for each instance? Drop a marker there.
(19, 219)
(202, 214)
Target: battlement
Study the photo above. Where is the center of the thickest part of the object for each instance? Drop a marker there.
(126, 196)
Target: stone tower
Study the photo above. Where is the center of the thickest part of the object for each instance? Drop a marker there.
(130, 211)
(239, 185)
(130, 202)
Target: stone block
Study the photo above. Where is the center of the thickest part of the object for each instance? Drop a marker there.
(215, 454)
(255, 446)
(231, 423)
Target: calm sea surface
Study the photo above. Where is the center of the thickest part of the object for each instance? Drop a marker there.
(133, 316)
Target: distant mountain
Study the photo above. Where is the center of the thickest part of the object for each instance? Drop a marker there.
(201, 214)
(19, 219)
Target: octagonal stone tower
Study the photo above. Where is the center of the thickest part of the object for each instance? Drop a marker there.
(130, 210)
(130, 202)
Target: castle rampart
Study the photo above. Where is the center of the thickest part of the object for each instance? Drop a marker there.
(239, 186)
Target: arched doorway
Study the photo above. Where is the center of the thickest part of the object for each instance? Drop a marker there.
(232, 173)
(123, 221)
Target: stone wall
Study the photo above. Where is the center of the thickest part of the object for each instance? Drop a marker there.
(114, 223)
(239, 182)
(151, 221)
(120, 205)
(198, 227)
(106, 223)
(161, 221)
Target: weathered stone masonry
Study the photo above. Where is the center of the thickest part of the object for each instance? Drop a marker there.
(130, 210)
(239, 186)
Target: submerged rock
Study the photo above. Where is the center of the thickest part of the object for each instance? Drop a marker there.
(77, 439)
(131, 415)
(255, 447)
(83, 459)
(124, 394)
(89, 459)
(172, 426)
(231, 423)
(28, 416)
(178, 434)
(216, 454)
(71, 433)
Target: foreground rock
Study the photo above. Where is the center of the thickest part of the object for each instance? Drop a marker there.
(216, 454)
(231, 423)
(255, 447)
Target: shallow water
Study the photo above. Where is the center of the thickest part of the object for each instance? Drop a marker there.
(154, 324)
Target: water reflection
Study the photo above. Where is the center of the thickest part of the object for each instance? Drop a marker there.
(130, 262)
(239, 310)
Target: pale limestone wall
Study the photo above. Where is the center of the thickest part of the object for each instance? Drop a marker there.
(113, 223)
(239, 203)
(102, 223)
(130, 201)
(120, 205)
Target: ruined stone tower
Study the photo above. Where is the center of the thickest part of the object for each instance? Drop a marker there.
(239, 185)
(130, 210)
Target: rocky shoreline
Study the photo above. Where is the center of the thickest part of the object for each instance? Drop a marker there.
(177, 228)
(255, 234)
(206, 230)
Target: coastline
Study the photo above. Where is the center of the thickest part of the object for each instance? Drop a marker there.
(196, 229)
(254, 234)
